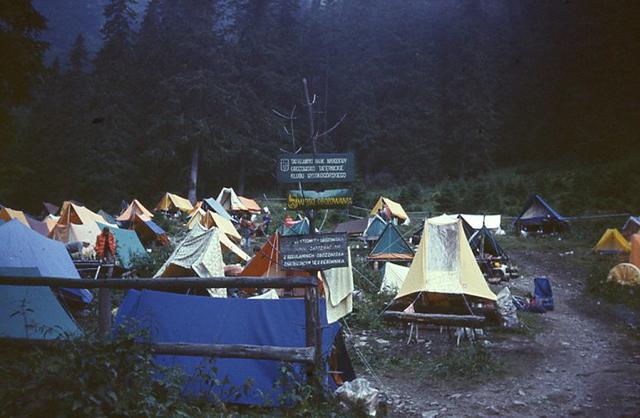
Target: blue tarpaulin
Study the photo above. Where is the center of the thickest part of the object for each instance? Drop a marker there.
(213, 205)
(173, 318)
(20, 246)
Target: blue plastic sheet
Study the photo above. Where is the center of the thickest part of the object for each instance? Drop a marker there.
(172, 318)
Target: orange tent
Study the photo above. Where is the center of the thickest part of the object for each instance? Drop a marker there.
(7, 214)
(251, 205)
(634, 256)
(134, 208)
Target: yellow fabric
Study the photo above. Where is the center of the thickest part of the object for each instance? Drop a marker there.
(134, 208)
(195, 218)
(195, 209)
(51, 222)
(612, 240)
(394, 276)
(209, 219)
(172, 201)
(396, 208)
(338, 290)
(464, 277)
(229, 245)
(79, 215)
(7, 214)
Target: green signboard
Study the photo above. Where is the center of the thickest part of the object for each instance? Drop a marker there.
(327, 199)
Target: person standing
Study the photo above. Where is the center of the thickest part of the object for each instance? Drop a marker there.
(106, 249)
(246, 229)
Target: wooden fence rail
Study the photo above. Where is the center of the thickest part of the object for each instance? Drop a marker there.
(311, 354)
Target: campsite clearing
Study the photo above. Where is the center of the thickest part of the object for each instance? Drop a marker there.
(583, 358)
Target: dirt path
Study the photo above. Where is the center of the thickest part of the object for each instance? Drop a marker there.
(582, 361)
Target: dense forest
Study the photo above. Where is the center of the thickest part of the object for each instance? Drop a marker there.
(432, 90)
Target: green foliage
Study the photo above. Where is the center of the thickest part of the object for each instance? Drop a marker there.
(610, 292)
(84, 378)
(467, 361)
(148, 264)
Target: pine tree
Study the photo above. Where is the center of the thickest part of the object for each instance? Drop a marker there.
(78, 56)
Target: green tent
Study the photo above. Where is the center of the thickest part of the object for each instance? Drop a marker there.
(32, 311)
(128, 245)
(391, 246)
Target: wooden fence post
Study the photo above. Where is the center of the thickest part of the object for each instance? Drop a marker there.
(104, 309)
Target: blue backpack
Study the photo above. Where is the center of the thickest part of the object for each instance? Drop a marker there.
(542, 292)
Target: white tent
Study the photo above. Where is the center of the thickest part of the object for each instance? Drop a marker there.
(394, 276)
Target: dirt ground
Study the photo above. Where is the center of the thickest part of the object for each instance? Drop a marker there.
(583, 359)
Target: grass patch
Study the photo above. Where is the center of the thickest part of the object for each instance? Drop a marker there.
(610, 292)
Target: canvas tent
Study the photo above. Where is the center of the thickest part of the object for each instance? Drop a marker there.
(444, 263)
(149, 231)
(251, 205)
(172, 318)
(209, 219)
(86, 233)
(395, 208)
(391, 246)
(107, 217)
(612, 242)
(631, 226)
(353, 228)
(199, 254)
(375, 228)
(21, 247)
(134, 208)
(72, 213)
(634, 254)
(215, 206)
(393, 278)
(7, 214)
(172, 203)
(38, 226)
(300, 227)
(483, 243)
(230, 201)
(32, 311)
(538, 217)
(266, 262)
(50, 208)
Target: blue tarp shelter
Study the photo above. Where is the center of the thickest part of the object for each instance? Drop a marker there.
(375, 228)
(173, 318)
(215, 206)
(538, 217)
(391, 246)
(32, 311)
(23, 247)
(483, 242)
(128, 245)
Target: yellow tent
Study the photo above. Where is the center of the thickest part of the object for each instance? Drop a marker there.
(209, 219)
(172, 202)
(444, 263)
(134, 208)
(7, 214)
(251, 205)
(79, 215)
(612, 241)
(51, 221)
(195, 209)
(394, 207)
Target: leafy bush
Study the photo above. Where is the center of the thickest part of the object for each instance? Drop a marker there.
(84, 378)
(148, 264)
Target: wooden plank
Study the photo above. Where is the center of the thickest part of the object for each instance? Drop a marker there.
(469, 321)
(259, 352)
(165, 283)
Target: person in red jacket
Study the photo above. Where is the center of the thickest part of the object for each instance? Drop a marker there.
(106, 248)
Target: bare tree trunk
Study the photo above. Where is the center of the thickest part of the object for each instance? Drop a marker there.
(193, 180)
(310, 109)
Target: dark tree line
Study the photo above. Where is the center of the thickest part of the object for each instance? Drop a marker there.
(432, 89)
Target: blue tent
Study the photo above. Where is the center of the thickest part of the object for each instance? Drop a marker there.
(538, 216)
(375, 228)
(483, 242)
(391, 246)
(173, 318)
(32, 311)
(214, 205)
(298, 228)
(128, 245)
(23, 247)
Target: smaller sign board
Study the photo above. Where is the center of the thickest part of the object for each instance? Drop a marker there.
(314, 252)
(315, 168)
(327, 199)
